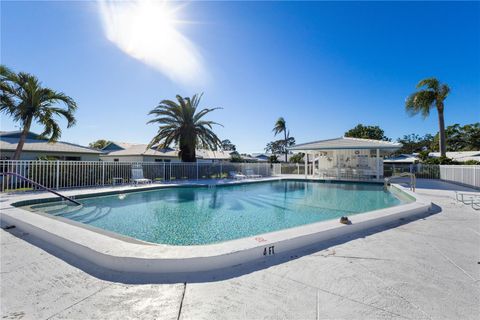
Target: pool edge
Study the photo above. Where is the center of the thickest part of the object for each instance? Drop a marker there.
(120, 255)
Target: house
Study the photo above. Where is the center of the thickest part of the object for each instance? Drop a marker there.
(403, 158)
(137, 152)
(36, 148)
(265, 157)
(459, 156)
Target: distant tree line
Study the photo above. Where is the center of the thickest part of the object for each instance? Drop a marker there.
(457, 137)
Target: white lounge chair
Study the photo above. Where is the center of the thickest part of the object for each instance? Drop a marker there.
(469, 198)
(137, 176)
(251, 174)
(236, 175)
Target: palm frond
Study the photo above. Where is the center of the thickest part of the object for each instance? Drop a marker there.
(430, 83)
(420, 102)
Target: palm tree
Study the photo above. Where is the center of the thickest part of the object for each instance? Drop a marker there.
(181, 124)
(281, 126)
(24, 99)
(432, 93)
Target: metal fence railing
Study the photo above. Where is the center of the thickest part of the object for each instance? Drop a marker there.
(291, 168)
(77, 174)
(466, 175)
(422, 171)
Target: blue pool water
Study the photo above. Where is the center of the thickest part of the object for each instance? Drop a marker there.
(201, 215)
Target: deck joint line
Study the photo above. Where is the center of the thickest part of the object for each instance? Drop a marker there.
(181, 301)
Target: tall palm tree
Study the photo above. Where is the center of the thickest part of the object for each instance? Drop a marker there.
(281, 126)
(432, 94)
(24, 99)
(182, 124)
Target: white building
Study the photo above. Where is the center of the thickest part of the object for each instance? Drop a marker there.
(459, 156)
(36, 148)
(345, 157)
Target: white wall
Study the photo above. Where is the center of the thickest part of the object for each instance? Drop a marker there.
(122, 158)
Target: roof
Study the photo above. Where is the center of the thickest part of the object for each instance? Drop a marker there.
(266, 156)
(17, 134)
(346, 143)
(137, 149)
(458, 155)
(402, 158)
(8, 142)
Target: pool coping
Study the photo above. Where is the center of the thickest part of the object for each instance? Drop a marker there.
(119, 254)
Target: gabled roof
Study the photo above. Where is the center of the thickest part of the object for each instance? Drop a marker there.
(139, 149)
(457, 155)
(402, 158)
(33, 143)
(346, 143)
(131, 149)
(16, 134)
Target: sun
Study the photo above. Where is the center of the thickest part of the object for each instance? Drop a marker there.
(146, 30)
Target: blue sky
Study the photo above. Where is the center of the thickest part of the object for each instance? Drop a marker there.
(323, 66)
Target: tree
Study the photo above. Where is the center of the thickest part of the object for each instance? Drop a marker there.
(415, 143)
(472, 136)
(279, 146)
(236, 157)
(273, 159)
(431, 94)
(181, 123)
(281, 126)
(227, 145)
(99, 144)
(367, 132)
(460, 138)
(297, 158)
(23, 97)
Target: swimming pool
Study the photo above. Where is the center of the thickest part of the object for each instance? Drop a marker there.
(206, 215)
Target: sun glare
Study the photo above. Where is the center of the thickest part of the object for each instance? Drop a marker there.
(146, 30)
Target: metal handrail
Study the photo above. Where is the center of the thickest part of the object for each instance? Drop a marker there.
(413, 179)
(40, 186)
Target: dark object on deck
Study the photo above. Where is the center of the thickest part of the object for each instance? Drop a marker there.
(345, 220)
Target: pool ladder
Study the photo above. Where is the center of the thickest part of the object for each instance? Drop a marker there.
(413, 180)
(40, 186)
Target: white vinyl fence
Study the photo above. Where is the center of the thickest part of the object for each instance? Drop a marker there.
(466, 175)
(76, 174)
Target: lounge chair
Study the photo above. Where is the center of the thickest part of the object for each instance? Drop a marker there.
(236, 175)
(251, 174)
(469, 198)
(137, 176)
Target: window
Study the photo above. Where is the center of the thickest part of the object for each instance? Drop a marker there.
(158, 160)
(116, 159)
(167, 160)
(72, 158)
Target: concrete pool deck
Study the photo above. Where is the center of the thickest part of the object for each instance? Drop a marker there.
(421, 269)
